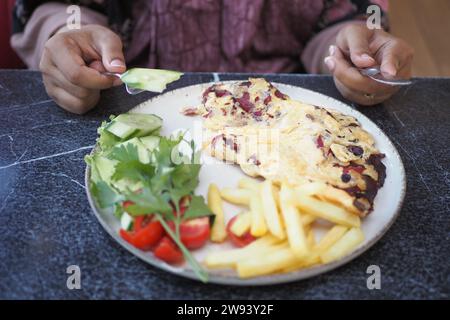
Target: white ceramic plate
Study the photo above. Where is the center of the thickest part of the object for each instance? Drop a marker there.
(386, 207)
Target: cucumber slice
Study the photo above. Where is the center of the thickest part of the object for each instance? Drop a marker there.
(129, 125)
(150, 142)
(154, 80)
(120, 130)
(143, 123)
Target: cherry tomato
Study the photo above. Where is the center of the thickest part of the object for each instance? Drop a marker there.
(241, 241)
(138, 223)
(146, 233)
(167, 251)
(126, 235)
(193, 233)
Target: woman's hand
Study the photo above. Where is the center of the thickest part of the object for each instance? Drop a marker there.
(358, 47)
(71, 64)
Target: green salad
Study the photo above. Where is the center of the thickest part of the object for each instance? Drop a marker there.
(150, 184)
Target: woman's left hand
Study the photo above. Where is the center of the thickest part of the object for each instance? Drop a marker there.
(359, 47)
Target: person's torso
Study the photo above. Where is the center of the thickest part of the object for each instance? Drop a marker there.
(223, 35)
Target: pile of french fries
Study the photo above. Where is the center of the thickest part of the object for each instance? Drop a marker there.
(283, 220)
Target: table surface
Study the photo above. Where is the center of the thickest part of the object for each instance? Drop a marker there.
(46, 223)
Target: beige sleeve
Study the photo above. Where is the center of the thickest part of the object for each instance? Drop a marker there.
(45, 21)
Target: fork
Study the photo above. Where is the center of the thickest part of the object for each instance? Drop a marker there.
(375, 74)
(129, 89)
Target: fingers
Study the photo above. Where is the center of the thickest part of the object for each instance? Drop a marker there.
(68, 59)
(352, 84)
(72, 64)
(98, 65)
(359, 47)
(349, 75)
(70, 102)
(361, 98)
(395, 55)
(354, 41)
(69, 96)
(110, 47)
(58, 79)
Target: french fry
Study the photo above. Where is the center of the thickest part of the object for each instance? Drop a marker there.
(326, 210)
(249, 184)
(310, 237)
(281, 217)
(229, 258)
(311, 259)
(349, 241)
(292, 221)
(307, 219)
(305, 263)
(242, 223)
(276, 260)
(328, 193)
(270, 210)
(258, 227)
(330, 238)
(218, 231)
(236, 196)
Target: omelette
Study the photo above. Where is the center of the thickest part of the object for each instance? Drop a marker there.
(270, 135)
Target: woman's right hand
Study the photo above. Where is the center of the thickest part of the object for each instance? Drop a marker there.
(71, 64)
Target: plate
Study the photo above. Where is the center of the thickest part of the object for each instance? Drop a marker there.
(168, 105)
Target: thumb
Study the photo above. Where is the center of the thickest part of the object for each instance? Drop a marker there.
(98, 65)
(110, 46)
(391, 59)
(389, 65)
(355, 40)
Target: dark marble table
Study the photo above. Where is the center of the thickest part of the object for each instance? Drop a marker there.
(46, 223)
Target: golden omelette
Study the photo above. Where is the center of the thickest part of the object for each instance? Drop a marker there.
(270, 135)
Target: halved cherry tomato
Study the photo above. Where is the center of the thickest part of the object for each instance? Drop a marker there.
(241, 241)
(146, 233)
(193, 233)
(138, 223)
(127, 236)
(168, 251)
